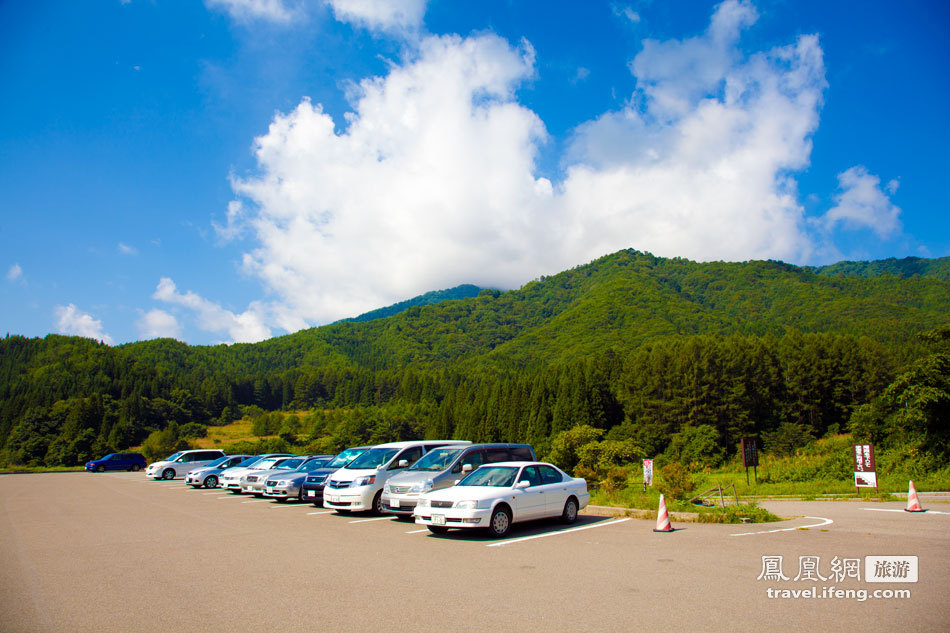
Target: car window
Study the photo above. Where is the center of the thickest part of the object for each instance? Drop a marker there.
(498, 476)
(411, 455)
(493, 455)
(522, 454)
(550, 475)
(475, 458)
(530, 474)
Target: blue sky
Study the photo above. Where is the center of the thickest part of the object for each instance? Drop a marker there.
(231, 170)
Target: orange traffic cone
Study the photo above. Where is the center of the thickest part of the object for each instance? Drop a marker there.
(913, 505)
(663, 518)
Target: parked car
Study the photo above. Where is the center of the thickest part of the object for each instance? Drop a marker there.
(117, 461)
(254, 481)
(497, 495)
(208, 476)
(444, 467)
(231, 480)
(312, 488)
(181, 463)
(359, 486)
(283, 486)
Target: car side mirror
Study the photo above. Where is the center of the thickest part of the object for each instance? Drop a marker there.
(522, 484)
(466, 468)
(403, 463)
(457, 481)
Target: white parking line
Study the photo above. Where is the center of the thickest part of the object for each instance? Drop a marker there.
(257, 501)
(376, 519)
(900, 510)
(791, 529)
(285, 505)
(576, 529)
(417, 531)
(324, 512)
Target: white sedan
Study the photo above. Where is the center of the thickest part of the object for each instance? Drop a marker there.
(497, 495)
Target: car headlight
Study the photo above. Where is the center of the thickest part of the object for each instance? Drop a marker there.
(466, 505)
(422, 503)
(424, 486)
(364, 481)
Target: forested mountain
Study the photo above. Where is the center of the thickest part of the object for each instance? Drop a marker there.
(656, 353)
(465, 291)
(906, 267)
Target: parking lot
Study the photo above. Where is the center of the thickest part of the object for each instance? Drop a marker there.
(118, 552)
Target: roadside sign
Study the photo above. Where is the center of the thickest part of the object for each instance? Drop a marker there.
(648, 472)
(750, 457)
(865, 470)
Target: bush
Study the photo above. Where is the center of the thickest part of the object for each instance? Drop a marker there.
(698, 445)
(193, 430)
(676, 481)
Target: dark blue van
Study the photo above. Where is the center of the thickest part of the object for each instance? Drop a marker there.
(117, 461)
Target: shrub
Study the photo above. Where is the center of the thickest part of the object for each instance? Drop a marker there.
(676, 481)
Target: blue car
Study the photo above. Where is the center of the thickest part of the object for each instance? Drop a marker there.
(117, 461)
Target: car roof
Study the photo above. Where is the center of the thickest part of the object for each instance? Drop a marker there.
(422, 443)
(518, 464)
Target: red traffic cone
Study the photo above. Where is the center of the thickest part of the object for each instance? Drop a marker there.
(913, 504)
(663, 518)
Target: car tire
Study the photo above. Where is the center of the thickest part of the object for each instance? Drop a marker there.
(378, 503)
(100, 468)
(438, 529)
(136, 468)
(570, 511)
(500, 522)
(168, 474)
(211, 481)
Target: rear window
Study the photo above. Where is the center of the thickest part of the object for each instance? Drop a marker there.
(522, 454)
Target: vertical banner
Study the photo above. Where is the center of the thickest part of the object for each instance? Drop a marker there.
(865, 471)
(648, 472)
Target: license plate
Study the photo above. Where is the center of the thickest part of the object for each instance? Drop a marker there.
(269, 491)
(333, 499)
(394, 503)
(311, 493)
(438, 519)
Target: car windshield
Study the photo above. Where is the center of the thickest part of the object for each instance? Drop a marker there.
(219, 460)
(312, 465)
(247, 462)
(499, 476)
(345, 457)
(111, 456)
(265, 464)
(438, 460)
(289, 464)
(373, 458)
(173, 457)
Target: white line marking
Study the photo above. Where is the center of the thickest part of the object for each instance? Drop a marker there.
(892, 510)
(791, 529)
(324, 512)
(577, 529)
(368, 520)
(257, 501)
(417, 531)
(284, 505)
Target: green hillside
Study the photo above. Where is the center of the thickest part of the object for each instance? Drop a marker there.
(641, 348)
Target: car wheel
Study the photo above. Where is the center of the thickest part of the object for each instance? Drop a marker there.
(570, 511)
(211, 481)
(100, 468)
(136, 468)
(500, 522)
(168, 473)
(437, 529)
(378, 502)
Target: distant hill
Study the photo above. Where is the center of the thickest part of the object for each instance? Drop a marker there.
(903, 268)
(463, 291)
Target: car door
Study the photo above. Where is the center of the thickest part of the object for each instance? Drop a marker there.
(556, 490)
(529, 502)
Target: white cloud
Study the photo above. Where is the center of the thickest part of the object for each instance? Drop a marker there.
(380, 15)
(250, 10)
(158, 324)
(125, 249)
(246, 327)
(860, 203)
(626, 12)
(14, 272)
(70, 320)
(432, 180)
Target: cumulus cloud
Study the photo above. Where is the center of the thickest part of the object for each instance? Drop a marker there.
(246, 327)
(70, 320)
(380, 15)
(158, 324)
(14, 272)
(861, 203)
(249, 10)
(432, 181)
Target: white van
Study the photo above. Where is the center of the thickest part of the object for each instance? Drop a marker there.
(181, 463)
(359, 486)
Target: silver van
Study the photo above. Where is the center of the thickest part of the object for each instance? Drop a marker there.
(441, 468)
